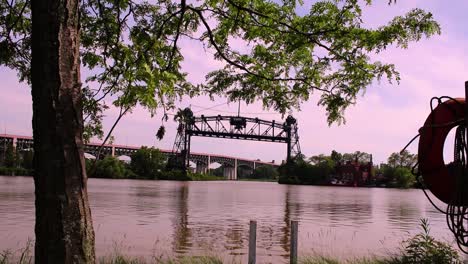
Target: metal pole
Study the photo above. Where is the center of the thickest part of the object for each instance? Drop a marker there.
(188, 150)
(293, 250)
(252, 242)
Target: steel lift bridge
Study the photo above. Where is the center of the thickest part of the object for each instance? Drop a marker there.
(233, 127)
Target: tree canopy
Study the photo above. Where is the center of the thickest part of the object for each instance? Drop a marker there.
(131, 52)
(148, 163)
(402, 159)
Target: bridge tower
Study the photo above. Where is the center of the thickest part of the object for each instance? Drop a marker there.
(294, 149)
(233, 127)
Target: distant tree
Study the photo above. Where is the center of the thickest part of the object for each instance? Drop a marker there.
(148, 163)
(336, 156)
(361, 157)
(400, 177)
(317, 159)
(402, 159)
(11, 158)
(404, 178)
(265, 172)
(302, 172)
(109, 167)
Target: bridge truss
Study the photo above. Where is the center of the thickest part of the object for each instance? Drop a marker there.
(233, 127)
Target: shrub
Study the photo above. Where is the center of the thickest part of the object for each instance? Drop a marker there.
(109, 167)
(424, 249)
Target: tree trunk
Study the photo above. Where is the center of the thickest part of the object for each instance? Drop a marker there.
(64, 231)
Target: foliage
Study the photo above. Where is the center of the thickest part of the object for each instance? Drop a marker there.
(400, 177)
(174, 175)
(397, 173)
(148, 163)
(404, 178)
(336, 156)
(119, 259)
(318, 260)
(424, 249)
(302, 172)
(265, 172)
(361, 157)
(11, 157)
(15, 171)
(402, 159)
(109, 167)
(24, 256)
(204, 177)
(131, 51)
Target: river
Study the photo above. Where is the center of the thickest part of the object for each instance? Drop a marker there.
(153, 218)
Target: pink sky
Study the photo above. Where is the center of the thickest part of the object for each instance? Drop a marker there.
(382, 121)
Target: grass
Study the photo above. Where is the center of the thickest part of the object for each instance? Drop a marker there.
(8, 257)
(205, 177)
(258, 180)
(23, 256)
(183, 260)
(365, 260)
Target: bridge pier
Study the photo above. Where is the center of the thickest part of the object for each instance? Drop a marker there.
(230, 172)
(235, 169)
(201, 167)
(227, 171)
(15, 142)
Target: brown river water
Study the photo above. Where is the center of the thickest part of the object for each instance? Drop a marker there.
(153, 218)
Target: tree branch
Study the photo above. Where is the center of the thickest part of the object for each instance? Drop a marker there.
(241, 67)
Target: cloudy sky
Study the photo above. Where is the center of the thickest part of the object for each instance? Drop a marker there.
(385, 118)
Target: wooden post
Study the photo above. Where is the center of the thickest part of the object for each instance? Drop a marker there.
(252, 242)
(293, 249)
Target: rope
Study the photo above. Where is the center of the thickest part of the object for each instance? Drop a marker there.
(203, 108)
(456, 215)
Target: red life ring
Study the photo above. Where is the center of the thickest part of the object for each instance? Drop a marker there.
(437, 176)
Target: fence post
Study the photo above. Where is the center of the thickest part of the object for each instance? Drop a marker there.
(252, 241)
(293, 249)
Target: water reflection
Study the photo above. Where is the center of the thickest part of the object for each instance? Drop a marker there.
(401, 213)
(201, 218)
(285, 230)
(182, 233)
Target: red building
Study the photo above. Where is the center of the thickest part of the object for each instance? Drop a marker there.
(353, 173)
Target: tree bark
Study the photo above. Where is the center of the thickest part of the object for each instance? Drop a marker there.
(64, 231)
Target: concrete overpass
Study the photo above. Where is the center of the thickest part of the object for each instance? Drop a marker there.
(202, 160)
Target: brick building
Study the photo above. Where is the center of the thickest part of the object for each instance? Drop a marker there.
(353, 173)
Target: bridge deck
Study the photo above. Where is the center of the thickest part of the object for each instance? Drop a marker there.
(134, 148)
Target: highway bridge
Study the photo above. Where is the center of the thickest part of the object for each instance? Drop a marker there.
(202, 161)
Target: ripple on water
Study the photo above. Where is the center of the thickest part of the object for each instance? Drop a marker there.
(149, 217)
